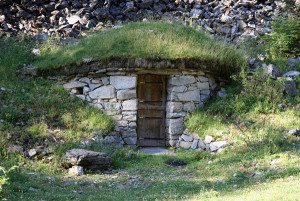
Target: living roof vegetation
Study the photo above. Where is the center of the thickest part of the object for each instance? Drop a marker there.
(152, 40)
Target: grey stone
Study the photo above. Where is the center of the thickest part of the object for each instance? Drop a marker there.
(94, 86)
(202, 79)
(175, 115)
(105, 80)
(123, 82)
(218, 145)
(203, 85)
(295, 132)
(82, 97)
(76, 170)
(205, 98)
(222, 94)
(88, 159)
(132, 125)
(292, 74)
(96, 81)
(15, 149)
(182, 80)
(189, 107)
(130, 104)
(187, 138)
(73, 19)
(290, 87)
(185, 145)
(130, 117)
(179, 89)
(74, 84)
(112, 106)
(104, 92)
(109, 139)
(176, 126)
(271, 71)
(130, 140)
(194, 144)
(207, 147)
(187, 96)
(226, 19)
(85, 80)
(208, 139)
(126, 94)
(201, 144)
(196, 13)
(174, 107)
(205, 92)
(86, 90)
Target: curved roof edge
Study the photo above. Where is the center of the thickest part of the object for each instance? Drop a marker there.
(134, 64)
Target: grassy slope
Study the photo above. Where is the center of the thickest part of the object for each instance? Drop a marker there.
(35, 110)
(225, 176)
(144, 40)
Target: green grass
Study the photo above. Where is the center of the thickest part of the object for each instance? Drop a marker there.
(35, 110)
(154, 40)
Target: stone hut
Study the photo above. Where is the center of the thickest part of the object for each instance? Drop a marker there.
(148, 99)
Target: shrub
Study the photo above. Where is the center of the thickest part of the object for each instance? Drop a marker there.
(285, 38)
(4, 179)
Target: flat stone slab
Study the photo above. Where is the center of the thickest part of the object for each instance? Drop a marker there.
(156, 151)
(88, 159)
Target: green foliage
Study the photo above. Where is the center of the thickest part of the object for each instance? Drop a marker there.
(284, 41)
(4, 178)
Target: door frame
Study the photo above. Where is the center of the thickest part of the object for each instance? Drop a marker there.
(156, 141)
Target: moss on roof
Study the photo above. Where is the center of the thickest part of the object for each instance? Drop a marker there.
(151, 41)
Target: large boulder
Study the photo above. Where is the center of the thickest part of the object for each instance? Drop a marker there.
(88, 159)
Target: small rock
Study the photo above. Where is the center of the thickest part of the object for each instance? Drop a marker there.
(187, 138)
(208, 139)
(290, 87)
(194, 144)
(292, 74)
(76, 170)
(222, 93)
(295, 132)
(15, 149)
(33, 189)
(275, 161)
(218, 145)
(73, 19)
(271, 71)
(36, 52)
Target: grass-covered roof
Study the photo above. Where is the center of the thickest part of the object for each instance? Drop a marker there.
(151, 41)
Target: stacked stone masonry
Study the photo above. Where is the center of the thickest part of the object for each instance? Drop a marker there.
(115, 92)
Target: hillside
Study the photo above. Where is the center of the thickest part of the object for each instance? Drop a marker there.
(257, 113)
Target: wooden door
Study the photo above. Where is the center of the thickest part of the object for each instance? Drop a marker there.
(151, 110)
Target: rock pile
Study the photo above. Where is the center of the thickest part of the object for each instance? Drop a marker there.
(270, 70)
(229, 18)
(193, 141)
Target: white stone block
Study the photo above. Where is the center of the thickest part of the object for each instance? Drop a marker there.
(126, 94)
(203, 85)
(130, 104)
(105, 92)
(123, 82)
(182, 80)
(187, 96)
(176, 126)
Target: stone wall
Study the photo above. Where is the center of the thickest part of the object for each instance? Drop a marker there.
(115, 92)
(185, 94)
(115, 95)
